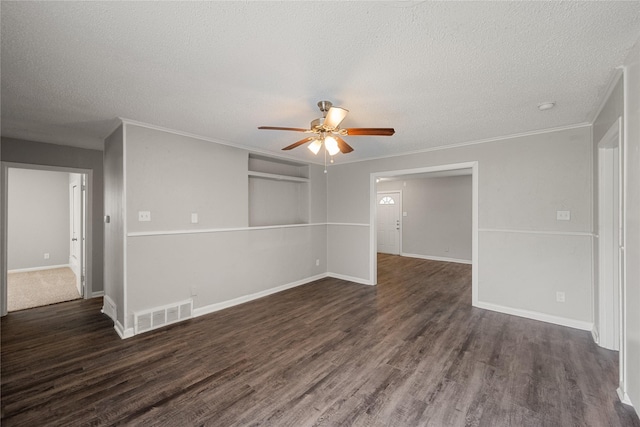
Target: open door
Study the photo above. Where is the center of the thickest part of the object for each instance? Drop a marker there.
(77, 228)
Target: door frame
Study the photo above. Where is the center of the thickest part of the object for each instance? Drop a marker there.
(373, 245)
(399, 217)
(610, 259)
(4, 226)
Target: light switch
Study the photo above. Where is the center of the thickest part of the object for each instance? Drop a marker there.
(194, 218)
(404, 214)
(144, 216)
(563, 215)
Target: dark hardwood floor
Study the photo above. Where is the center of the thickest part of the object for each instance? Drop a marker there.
(409, 352)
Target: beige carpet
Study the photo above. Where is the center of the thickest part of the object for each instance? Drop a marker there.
(43, 287)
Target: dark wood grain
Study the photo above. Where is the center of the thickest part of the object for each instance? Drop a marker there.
(410, 351)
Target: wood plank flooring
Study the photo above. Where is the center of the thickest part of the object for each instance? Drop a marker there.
(408, 352)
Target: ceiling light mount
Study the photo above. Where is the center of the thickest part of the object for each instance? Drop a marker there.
(546, 105)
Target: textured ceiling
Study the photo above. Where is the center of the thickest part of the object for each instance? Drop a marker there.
(440, 73)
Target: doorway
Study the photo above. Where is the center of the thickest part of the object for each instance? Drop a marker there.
(44, 239)
(468, 168)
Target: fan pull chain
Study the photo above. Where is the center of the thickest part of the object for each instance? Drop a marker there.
(325, 160)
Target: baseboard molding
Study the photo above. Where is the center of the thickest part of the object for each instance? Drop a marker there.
(124, 333)
(109, 308)
(595, 335)
(47, 267)
(212, 308)
(350, 278)
(97, 294)
(437, 258)
(624, 397)
(534, 315)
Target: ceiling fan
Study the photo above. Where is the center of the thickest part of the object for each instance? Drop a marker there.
(327, 131)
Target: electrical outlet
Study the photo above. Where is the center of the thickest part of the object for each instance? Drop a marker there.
(317, 262)
(194, 218)
(194, 291)
(560, 297)
(46, 255)
(563, 215)
(144, 216)
(446, 249)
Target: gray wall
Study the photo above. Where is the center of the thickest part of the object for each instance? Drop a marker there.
(168, 259)
(438, 221)
(114, 236)
(38, 218)
(37, 153)
(525, 254)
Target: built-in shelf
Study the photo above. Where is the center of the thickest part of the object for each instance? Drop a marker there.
(277, 177)
(278, 191)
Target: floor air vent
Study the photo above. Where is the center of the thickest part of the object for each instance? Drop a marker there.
(160, 316)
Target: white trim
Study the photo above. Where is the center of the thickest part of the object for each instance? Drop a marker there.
(214, 140)
(468, 143)
(47, 267)
(212, 308)
(594, 334)
(534, 315)
(124, 333)
(624, 397)
(97, 294)
(613, 81)
(438, 258)
(548, 232)
(339, 160)
(221, 230)
(348, 224)
(350, 278)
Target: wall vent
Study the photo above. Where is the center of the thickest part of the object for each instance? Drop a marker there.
(157, 317)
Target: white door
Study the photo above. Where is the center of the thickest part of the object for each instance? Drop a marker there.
(388, 222)
(76, 227)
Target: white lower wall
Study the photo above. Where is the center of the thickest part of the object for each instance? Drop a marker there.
(220, 266)
(525, 270)
(348, 256)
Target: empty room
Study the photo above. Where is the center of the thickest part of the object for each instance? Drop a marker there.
(397, 213)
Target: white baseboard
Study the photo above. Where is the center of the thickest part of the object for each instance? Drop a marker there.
(212, 308)
(124, 333)
(595, 335)
(437, 258)
(350, 278)
(534, 315)
(97, 294)
(624, 397)
(109, 308)
(46, 267)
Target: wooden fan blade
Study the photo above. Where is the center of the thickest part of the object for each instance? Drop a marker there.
(371, 131)
(334, 117)
(281, 128)
(343, 146)
(299, 143)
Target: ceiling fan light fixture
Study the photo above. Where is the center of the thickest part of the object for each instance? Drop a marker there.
(315, 146)
(331, 145)
(334, 117)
